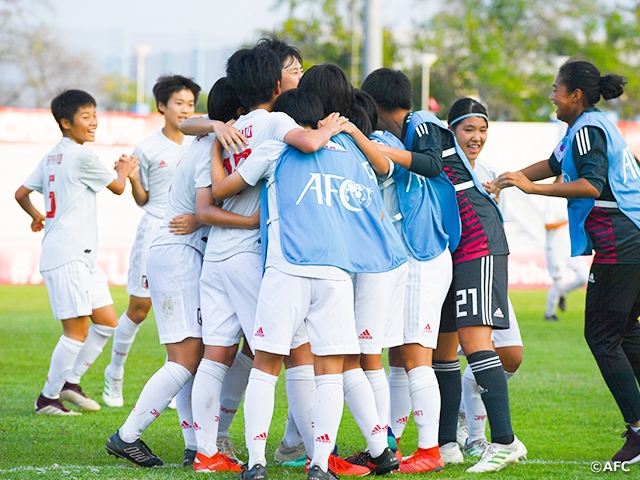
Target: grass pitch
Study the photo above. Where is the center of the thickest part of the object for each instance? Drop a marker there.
(561, 408)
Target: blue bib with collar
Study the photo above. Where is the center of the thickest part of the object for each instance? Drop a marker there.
(331, 212)
(423, 227)
(623, 176)
(421, 116)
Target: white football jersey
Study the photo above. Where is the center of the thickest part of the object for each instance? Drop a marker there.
(181, 198)
(69, 177)
(158, 157)
(257, 126)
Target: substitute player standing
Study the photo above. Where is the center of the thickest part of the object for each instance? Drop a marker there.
(69, 177)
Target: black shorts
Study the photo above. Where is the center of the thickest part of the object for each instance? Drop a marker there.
(478, 295)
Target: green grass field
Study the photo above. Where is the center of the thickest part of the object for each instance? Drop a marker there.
(561, 408)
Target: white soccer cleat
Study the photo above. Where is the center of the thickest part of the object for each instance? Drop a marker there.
(451, 453)
(72, 393)
(476, 448)
(112, 393)
(498, 456)
(462, 432)
(48, 406)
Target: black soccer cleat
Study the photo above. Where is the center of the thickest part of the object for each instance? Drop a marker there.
(136, 452)
(385, 463)
(316, 473)
(257, 472)
(189, 457)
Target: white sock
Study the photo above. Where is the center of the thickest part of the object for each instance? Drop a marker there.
(153, 400)
(380, 386)
(258, 411)
(97, 338)
(185, 415)
(362, 404)
(123, 339)
(474, 407)
(400, 400)
(62, 358)
(301, 394)
(291, 436)
(327, 413)
(233, 387)
(425, 401)
(205, 402)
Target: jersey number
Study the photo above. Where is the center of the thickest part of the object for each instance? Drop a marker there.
(463, 299)
(237, 158)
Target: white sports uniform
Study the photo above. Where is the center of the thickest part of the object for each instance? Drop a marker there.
(158, 157)
(175, 261)
(232, 269)
(321, 297)
(69, 177)
(511, 336)
(558, 252)
(427, 282)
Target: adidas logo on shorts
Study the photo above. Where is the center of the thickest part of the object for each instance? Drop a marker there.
(365, 335)
(427, 328)
(591, 278)
(259, 333)
(498, 313)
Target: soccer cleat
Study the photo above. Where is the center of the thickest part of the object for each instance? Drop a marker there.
(476, 448)
(49, 406)
(423, 461)
(562, 303)
(551, 318)
(386, 462)
(316, 473)
(451, 453)
(462, 432)
(189, 457)
(286, 455)
(498, 456)
(112, 393)
(72, 393)
(216, 463)
(137, 452)
(340, 466)
(257, 472)
(229, 449)
(630, 451)
(398, 452)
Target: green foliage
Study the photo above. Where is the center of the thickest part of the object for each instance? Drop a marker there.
(119, 93)
(561, 408)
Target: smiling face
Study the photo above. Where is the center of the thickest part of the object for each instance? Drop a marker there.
(180, 106)
(568, 104)
(84, 125)
(291, 73)
(471, 134)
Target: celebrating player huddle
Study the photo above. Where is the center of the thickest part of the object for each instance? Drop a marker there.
(324, 225)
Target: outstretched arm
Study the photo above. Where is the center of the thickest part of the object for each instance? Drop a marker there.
(140, 195)
(124, 167)
(310, 141)
(207, 213)
(230, 137)
(23, 199)
(580, 188)
(379, 163)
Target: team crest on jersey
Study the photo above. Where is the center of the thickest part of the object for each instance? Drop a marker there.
(352, 196)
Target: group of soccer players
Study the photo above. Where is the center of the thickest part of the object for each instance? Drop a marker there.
(324, 225)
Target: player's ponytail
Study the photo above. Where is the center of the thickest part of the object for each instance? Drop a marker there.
(585, 76)
(611, 86)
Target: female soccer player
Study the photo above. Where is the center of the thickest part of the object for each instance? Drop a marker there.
(602, 185)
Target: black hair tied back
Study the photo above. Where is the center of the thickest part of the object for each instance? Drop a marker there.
(611, 86)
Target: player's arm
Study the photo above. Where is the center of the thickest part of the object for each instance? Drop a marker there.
(223, 186)
(140, 195)
(310, 141)
(23, 199)
(379, 163)
(123, 167)
(230, 137)
(208, 213)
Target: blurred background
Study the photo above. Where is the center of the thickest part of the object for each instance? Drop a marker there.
(504, 53)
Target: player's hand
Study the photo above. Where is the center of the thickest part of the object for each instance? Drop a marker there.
(230, 137)
(512, 179)
(333, 122)
(134, 176)
(126, 164)
(37, 224)
(184, 224)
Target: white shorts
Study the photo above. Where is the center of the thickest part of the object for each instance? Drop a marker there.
(379, 302)
(511, 336)
(75, 291)
(228, 296)
(174, 275)
(137, 283)
(286, 302)
(427, 285)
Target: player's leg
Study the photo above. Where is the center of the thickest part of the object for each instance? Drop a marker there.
(400, 399)
(556, 266)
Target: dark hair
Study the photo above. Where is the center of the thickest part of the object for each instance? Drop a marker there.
(576, 74)
(304, 107)
(282, 48)
(391, 89)
(465, 106)
(368, 104)
(66, 105)
(167, 85)
(331, 85)
(254, 73)
(223, 103)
